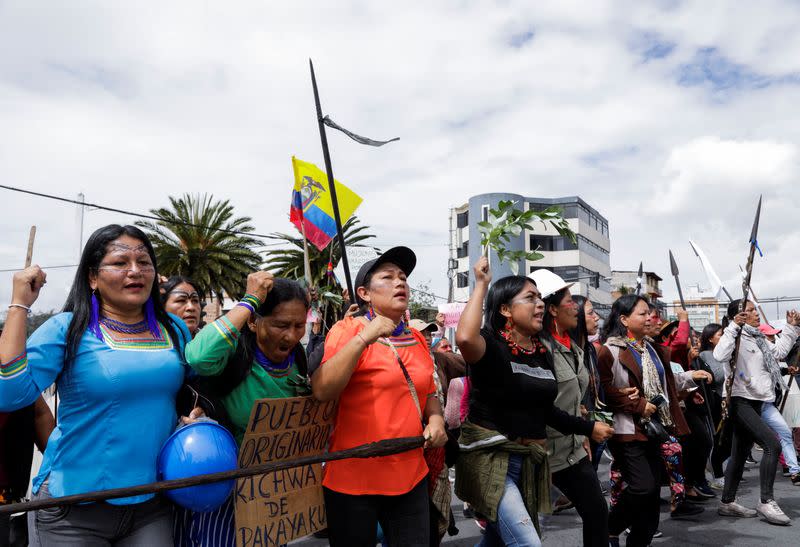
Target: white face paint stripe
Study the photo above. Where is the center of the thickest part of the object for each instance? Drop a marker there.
(533, 372)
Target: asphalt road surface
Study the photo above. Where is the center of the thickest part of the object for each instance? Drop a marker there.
(707, 528)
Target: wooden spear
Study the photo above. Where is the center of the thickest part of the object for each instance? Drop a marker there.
(742, 304)
(379, 448)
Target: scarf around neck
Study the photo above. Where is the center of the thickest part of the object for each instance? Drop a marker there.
(771, 365)
(652, 378)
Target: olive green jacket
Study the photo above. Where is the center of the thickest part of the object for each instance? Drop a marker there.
(573, 381)
(481, 472)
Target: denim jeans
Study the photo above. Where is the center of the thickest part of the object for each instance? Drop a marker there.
(101, 524)
(773, 418)
(514, 526)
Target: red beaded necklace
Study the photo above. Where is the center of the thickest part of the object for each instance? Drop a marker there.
(516, 349)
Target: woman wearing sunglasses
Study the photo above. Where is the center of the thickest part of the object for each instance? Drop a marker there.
(252, 352)
(115, 356)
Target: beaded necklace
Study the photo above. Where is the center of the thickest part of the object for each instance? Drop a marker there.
(402, 327)
(635, 344)
(516, 349)
(276, 369)
(125, 328)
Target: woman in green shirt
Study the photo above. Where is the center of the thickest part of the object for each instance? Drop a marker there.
(252, 352)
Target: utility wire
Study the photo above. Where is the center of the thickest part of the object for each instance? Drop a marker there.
(131, 213)
(42, 267)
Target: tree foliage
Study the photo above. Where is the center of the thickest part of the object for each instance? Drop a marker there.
(422, 301)
(194, 239)
(506, 222)
(288, 262)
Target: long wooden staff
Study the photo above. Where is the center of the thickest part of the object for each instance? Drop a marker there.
(745, 290)
(639, 277)
(370, 450)
(29, 254)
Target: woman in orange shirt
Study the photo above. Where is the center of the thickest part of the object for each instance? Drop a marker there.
(382, 373)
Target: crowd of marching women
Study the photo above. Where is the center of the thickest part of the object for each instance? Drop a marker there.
(533, 396)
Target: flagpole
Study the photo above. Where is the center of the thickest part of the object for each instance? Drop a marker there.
(331, 184)
(306, 259)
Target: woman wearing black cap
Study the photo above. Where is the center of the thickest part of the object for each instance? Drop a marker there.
(382, 373)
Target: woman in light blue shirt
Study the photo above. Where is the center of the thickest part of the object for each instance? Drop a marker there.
(116, 358)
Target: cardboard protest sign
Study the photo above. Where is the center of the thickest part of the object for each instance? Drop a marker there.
(356, 257)
(452, 313)
(275, 508)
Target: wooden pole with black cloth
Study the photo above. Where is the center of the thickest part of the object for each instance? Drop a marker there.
(331, 184)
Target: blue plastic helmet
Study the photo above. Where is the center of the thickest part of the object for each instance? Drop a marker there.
(196, 449)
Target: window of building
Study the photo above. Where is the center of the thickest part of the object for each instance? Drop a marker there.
(484, 213)
(462, 280)
(552, 243)
(463, 250)
(462, 219)
(591, 248)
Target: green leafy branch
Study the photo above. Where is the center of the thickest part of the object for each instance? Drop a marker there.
(507, 222)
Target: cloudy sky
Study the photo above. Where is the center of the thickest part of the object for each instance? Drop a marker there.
(670, 118)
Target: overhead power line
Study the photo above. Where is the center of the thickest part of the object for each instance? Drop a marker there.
(134, 214)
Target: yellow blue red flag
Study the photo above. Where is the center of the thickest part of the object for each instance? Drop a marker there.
(312, 208)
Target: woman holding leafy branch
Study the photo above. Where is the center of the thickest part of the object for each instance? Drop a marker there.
(513, 390)
(570, 454)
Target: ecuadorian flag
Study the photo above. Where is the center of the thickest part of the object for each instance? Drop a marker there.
(312, 208)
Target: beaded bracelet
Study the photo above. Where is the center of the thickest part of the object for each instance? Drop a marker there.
(253, 300)
(248, 306)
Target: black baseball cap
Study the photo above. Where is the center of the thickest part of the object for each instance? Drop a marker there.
(404, 257)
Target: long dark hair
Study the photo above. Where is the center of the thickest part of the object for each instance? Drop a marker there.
(708, 333)
(169, 285)
(580, 334)
(79, 300)
(240, 363)
(733, 309)
(502, 292)
(554, 299)
(623, 305)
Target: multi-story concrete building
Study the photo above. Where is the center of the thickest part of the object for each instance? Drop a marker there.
(624, 281)
(586, 262)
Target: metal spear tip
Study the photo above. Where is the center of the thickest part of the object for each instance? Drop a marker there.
(754, 232)
(673, 266)
(641, 270)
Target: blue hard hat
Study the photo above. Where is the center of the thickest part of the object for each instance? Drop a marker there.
(196, 449)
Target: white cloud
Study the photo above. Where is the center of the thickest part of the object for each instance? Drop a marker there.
(131, 103)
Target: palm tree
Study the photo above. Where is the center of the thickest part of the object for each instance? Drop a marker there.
(289, 262)
(194, 239)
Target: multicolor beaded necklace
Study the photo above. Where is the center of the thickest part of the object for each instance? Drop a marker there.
(125, 328)
(402, 327)
(275, 369)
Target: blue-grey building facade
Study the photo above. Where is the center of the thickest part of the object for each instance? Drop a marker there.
(586, 262)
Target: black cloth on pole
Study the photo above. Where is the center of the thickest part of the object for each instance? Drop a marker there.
(358, 138)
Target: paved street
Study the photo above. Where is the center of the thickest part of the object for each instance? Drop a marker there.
(707, 528)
